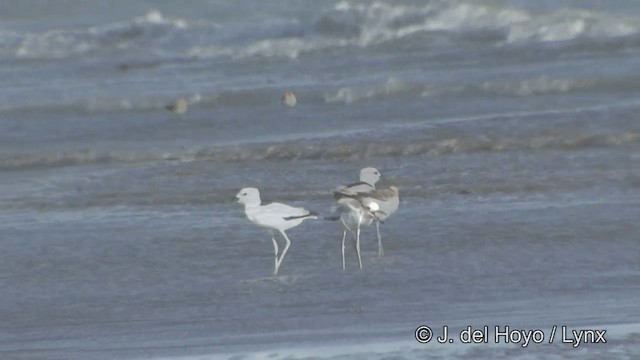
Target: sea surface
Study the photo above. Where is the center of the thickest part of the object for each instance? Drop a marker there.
(511, 127)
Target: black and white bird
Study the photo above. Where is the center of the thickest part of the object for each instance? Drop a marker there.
(368, 178)
(355, 213)
(362, 203)
(273, 216)
(387, 200)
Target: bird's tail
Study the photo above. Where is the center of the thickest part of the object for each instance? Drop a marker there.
(334, 214)
(309, 215)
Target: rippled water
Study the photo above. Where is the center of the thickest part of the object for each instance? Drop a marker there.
(510, 127)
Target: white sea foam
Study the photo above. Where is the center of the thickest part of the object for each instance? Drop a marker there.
(534, 86)
(62, 43)
(572, 24)
(539, 85)
(393, 86)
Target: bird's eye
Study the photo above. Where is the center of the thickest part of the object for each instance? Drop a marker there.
(244, 194)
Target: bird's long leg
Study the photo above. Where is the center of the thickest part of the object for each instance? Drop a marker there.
(380, 250)
(286, 247)
(358, 240)
(344, 235)
(275, 248)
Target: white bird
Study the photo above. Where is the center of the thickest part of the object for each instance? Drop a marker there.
(387, 200)
(273, 216)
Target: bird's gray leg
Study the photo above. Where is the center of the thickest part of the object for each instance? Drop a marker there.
(358, 241)
(380, 250)
(344, 235)
(275, 248)
(286, 247)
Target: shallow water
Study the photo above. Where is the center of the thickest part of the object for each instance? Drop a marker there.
(510, 128)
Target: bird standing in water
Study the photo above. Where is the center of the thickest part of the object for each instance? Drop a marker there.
(273, 216)
(289, 99)
(179, 107)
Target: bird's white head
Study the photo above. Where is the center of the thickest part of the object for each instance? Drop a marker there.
(248, 196)
(369, 175)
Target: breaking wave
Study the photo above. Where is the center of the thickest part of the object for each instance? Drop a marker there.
(536, 86)
(325, 149)
(380, 21)
(392, 87)
(544, 85)
(354, 24)
(346, 24)
(140, 32)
